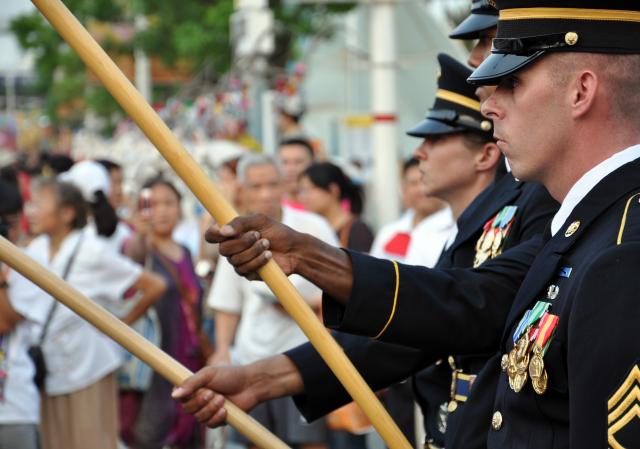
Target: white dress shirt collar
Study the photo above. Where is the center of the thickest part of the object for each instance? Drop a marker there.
(588, 181)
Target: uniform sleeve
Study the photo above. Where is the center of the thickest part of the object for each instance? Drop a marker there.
(381, 365)
(604, 352)
(226, 289)
(424, 308)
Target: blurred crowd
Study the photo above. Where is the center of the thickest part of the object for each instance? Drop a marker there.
(142, 254)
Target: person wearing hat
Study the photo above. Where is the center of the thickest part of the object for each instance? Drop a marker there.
(453, 417)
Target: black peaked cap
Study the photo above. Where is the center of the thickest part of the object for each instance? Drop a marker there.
(483, 17)
(528, 29)
(456, 108)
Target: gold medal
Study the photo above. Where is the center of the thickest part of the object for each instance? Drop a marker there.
(522, 364)
(519, 381)
(504, 362)
(480, 258)
(496, 247)
(522, 346)
(536, 366)
(511, 366)
(540, 384)
(480, 241)
(487, 241)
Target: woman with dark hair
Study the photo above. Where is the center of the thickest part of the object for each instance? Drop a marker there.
(94, 182)
(324, 188)
(151, 419)
(79, 408)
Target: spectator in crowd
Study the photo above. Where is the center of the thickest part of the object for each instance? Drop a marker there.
(294, 155)
(249, 316)
(116, 177)
(10, 175)
(79, 407)
(419, 235)
(94, 182)
(323, 188)
(20, 310)
(150, 419)
(416, 238)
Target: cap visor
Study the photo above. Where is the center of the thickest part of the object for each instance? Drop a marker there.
(471, 27)
(497, 66)
(430, 127)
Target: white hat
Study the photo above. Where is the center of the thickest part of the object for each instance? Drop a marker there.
(89, 177)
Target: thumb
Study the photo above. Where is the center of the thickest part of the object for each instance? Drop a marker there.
(194, 383)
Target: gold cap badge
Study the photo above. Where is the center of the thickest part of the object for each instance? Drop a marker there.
(571, 38)
(573, 227)
(486, 125)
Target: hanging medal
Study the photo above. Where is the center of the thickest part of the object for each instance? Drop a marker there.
(502, 225)
(484, 244)
(518, 360)
(545, 330)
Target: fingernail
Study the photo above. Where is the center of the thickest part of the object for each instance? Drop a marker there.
(265, 244)
(256, 235)
(208, 395)
(226, 230)
(177, 393)
(268, 255)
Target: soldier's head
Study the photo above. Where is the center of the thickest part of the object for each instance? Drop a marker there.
(567, 94)
(457, 152)
(480, 25)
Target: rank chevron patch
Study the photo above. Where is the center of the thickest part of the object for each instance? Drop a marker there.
(624, 406)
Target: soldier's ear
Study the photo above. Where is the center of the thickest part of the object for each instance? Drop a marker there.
(583, 92)
(488, 157)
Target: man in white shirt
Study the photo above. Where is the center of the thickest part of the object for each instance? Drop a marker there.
(419, 235)
(248, 316)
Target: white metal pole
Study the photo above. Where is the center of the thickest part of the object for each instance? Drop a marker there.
(142, 64)
(383, 104)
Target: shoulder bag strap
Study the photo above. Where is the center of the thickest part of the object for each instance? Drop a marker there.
(54, 306)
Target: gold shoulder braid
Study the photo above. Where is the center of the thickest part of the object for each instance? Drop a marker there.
(623, 222)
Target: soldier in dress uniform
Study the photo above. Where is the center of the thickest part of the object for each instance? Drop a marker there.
(565, 114)
(453, 418)
(504, 214)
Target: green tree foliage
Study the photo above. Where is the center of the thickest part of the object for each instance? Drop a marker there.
(196, 31)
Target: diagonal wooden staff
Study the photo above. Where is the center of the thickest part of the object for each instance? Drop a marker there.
(186, 167)
(133, 342)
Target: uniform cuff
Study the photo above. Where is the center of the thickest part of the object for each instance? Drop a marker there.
(323, 392)
(371, 306)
